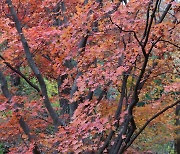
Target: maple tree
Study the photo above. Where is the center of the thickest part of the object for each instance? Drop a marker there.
(113, 63)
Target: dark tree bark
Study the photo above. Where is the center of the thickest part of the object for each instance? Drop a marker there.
(33, 66)
(177, 140)
(18, 72)
(165, 12)
(4, 86)
(8, 95)
(73, 106)
(15, 79)
(128, 127)
(60, 7)
(64, 103)
(25, 127)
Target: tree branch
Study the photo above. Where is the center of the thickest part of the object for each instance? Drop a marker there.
(127, 31)
(165, 12)
(33, 66)
(150, 24)
(118, 112)
(169, 43)
(8, 95)
(81, 48)
(152, 118)
(147, 22)
(20, 74)
(4, 86)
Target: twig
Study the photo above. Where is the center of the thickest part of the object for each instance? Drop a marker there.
(147, 122)
(169, 43)
(127, 31)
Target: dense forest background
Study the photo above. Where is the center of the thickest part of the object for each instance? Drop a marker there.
(89, 76)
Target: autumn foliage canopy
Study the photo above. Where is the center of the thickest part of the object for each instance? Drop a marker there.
(99, 73)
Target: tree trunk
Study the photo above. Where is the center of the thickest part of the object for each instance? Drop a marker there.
(177, 139)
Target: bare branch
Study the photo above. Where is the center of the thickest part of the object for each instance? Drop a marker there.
(177, 46)
(147, 122)
(153, 45)
(147, 22)
(150, 24)
(20, 74)
(165, 12)
(127, 31)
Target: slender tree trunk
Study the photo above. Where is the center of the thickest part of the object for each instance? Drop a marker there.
(63, 102)
(4, 86)
(177, 140)
(8, 95)
(34, 67)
